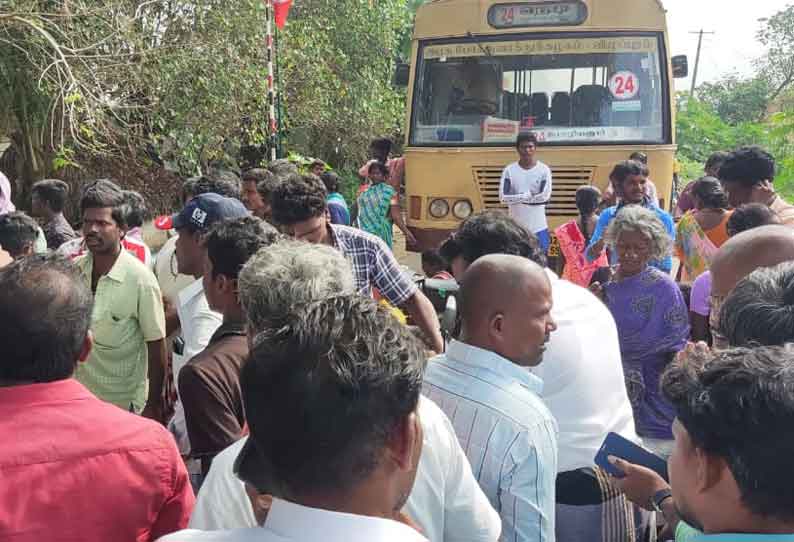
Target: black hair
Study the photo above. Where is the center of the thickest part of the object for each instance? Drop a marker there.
(231, 243)
(382, 144)
(331, 181)
(136, 209)
(257, 175)
(524, 137)
(188, 189)
(18, 232)
(760, 308)
(737, 404)
(350, 373)
(434, 258)
(265, 180)
(226, 185)
(710, 193)
(53, 192)
(298, 198)
(282, 168)
(749, 216)
(625, 169)
(639, 156)
(379, 166)
(492, 232)
(716, 159)
(45, 312)
(104, 193)
(748, 166)
(587, 200)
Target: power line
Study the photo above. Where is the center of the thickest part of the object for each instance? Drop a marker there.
(697, 60)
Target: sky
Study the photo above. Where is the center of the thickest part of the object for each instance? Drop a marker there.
(732, 48)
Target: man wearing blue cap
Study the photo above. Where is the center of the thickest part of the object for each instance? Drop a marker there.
(197, 321)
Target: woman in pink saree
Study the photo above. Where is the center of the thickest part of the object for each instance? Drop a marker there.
(574, 237)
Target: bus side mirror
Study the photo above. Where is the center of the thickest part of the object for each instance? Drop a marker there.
(402, 73)
(680, 66)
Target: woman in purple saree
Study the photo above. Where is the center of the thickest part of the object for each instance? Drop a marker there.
(651, 316)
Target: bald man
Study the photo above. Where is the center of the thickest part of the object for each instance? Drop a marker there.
(483, 385)
(742, 254)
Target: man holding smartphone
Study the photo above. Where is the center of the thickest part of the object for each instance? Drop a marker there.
(730, 468)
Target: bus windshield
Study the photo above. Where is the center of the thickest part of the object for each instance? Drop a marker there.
(585, 89)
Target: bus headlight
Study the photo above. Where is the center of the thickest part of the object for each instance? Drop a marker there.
(462, 209)
(439, 208)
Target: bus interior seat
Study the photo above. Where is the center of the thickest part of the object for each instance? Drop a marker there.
(524, 107)
(539, 102)
(561, 109)
(540, 108)
(591, 106)
(450, 134)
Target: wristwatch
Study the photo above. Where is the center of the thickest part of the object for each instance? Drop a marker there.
(659, 497)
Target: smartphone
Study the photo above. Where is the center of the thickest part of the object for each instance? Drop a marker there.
(623, 448)
(179, 346)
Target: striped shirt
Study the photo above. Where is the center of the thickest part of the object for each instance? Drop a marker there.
(509, 435)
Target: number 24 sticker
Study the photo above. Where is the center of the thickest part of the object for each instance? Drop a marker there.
(624, 85)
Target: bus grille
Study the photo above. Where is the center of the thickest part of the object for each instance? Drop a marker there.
(565, 181)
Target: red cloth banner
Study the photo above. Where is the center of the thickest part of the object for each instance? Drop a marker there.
(281, 11)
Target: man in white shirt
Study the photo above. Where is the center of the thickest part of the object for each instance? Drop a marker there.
(197, 321)
(446, 501)
(583, 385)
(526, 189)
(332, 404)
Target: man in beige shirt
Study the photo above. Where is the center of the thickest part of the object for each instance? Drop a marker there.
(127, 363)
(747, 176)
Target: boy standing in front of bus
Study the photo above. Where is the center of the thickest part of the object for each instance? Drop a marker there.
(526, 188)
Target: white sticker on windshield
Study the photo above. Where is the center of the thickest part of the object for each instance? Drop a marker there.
(624, 85)
(629, 105)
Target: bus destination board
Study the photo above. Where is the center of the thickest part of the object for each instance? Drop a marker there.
(529, 14)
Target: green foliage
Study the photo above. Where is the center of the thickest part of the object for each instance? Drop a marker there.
(337, 61)
(736, 99)
(777, 64)
(148, 84)
(701, 131)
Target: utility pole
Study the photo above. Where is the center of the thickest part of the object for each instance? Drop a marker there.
(697, 61)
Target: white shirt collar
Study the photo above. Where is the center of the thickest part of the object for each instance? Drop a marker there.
(494, 364)
(295, 522)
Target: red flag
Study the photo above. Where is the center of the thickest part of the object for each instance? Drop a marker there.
(282, 10)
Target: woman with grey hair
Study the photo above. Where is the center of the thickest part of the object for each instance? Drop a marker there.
(652, 319)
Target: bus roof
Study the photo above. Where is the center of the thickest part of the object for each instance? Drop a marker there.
(450, 18)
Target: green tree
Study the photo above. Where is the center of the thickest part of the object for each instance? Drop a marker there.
(337, 62)
(777, 65)
(181, 84)
(737, 99)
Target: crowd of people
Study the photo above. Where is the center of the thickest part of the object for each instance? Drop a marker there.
(251, 379)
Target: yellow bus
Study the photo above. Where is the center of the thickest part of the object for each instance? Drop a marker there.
(593, 79)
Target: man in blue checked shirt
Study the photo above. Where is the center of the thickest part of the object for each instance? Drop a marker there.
(300, 210)
(629, 179)
(483, 385)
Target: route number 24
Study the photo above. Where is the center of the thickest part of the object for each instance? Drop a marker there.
(624, 85)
